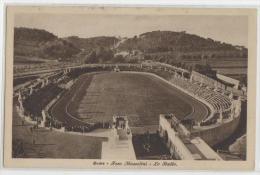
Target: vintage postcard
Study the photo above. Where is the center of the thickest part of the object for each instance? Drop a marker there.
(130, 87)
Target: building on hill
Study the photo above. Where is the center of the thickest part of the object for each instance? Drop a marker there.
(123, 53)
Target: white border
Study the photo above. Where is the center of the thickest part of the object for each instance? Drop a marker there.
(215, 3)
(258, 96)
(177, 3)
(2, 74)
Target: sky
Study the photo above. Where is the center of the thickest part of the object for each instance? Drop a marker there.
(229, 29)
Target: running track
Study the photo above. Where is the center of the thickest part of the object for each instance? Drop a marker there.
(64, 109)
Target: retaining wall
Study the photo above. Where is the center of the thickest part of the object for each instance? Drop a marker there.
(218, 133)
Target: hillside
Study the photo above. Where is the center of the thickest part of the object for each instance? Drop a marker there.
(174, 47)
(37, 46)
(165, 41)
(32, 45)
(89, 44)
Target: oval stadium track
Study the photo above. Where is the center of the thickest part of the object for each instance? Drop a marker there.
(97, 97)
(59, 109)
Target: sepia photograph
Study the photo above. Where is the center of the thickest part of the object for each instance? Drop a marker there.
(117, 87)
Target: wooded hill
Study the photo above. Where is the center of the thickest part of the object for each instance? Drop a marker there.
(165, 41)
(32, 45)
(35, 43)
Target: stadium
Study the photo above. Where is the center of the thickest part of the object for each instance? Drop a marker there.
(87, 100)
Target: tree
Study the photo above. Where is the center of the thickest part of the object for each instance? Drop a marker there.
(205, 69)
(118, 59)
(105, 55)
(91, 58)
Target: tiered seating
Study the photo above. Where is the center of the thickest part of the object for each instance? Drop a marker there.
(41, 96)
(34, 103)
(219, 102)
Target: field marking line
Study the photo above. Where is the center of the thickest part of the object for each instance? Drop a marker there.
(58, 101)
(67, 106)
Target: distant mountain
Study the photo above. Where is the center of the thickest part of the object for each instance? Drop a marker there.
(36, 45)
(33, 35)
(183, 49)
(40, 44)
(166, 41)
